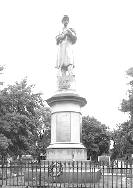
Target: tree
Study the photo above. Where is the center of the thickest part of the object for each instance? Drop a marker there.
(121, 141)
(95, 137)
(1, 69)
(123, 144)
(23, 114)
(44, 134)
(127, 104)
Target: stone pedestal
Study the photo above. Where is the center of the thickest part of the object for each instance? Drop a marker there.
(65, 152)
(66, 125)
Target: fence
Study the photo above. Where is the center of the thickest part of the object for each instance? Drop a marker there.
(67, 174)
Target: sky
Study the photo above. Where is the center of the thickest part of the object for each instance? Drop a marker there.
(103, 51)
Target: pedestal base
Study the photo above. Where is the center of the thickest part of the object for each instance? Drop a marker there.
(58, 152)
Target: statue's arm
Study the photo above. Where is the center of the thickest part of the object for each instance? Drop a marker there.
(59, 38)
(72, 35)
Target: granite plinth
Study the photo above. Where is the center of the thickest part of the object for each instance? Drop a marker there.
(57, 152)
(66, 127)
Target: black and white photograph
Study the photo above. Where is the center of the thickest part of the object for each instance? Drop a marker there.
(66, 93)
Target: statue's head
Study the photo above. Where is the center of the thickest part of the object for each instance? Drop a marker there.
(65, 20)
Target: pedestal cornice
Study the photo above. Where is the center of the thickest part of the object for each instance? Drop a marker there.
(66, 97)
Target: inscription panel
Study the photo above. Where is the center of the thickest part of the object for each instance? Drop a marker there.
(75, 127)
(63, 127)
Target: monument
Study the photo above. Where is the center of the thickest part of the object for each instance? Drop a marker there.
(66, 159)
(66, 119)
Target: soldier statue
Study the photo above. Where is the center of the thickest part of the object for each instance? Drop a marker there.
(66, 38)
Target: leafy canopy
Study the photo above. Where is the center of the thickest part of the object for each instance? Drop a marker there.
(122, 137)
(95, 137)
(23, 114)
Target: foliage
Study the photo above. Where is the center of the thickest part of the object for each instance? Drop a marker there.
(123, 144)
(119, 137)
(127, 104)
(44, 136)
(95, 137)
(23, 114)
(1, 69)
